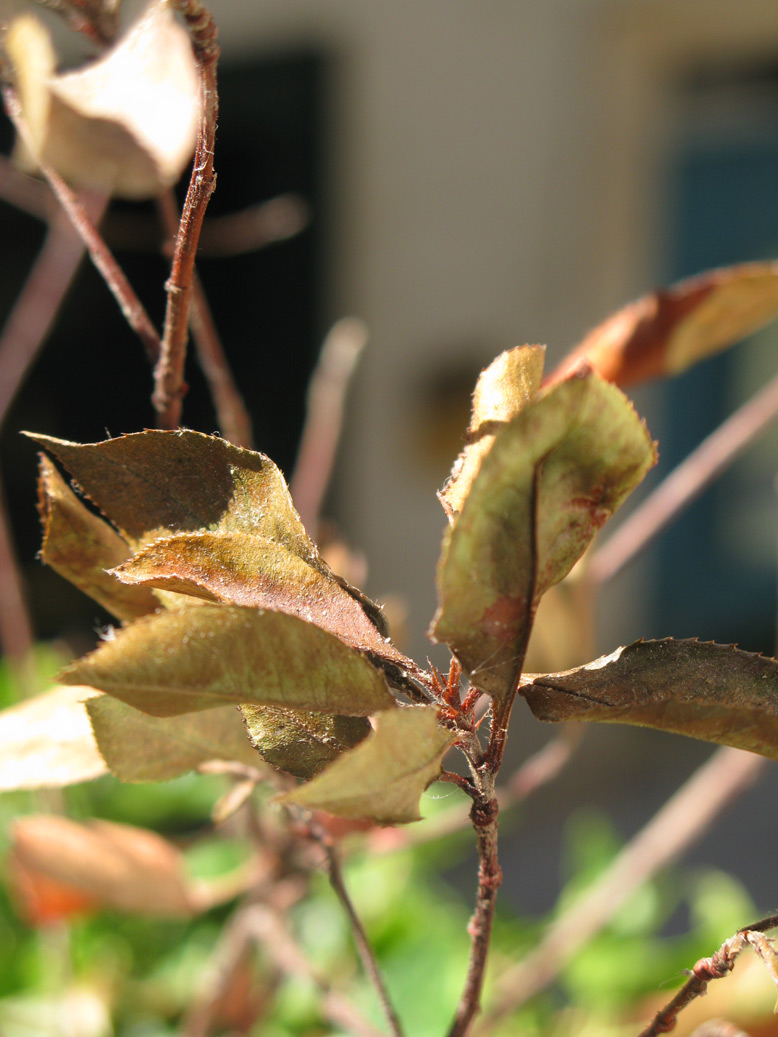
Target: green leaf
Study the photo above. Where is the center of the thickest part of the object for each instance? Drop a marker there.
(299, 742)
(80, 546)
(717, 693)
(503, 389)
(139, 747)
(211, 655)
(47, 742)
(554, 475)
(382, 779)
(152, 484)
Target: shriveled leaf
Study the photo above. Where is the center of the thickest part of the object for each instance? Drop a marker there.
(717, 693)
(502, 390)
(212, 655)
(299, 742)
(244, 569)
(382, 779)
(80, 546)
(153, 484)
(667, 331)
(126, 124)
(47, 742)
(554, 475)
(139, 747)
(116, 866)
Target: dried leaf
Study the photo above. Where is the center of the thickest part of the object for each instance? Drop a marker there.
(299, 742)
(126, 124)
(717, 693)
(554, 475)
(197, 658)
(503, 389)
(244, 569)
(382, 779)
(47, 742)
(116, 866)
(80, 546)
(139, 747)
(667, 331)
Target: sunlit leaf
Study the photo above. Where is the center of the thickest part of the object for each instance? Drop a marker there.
(125, 124)
(554, 475)
(667, 331)
(212, 655)
(299, 742)
(382, 779)
(127, 869)
(47, 742)
(717, 693)
(80, 546)
(139, 747)
(502, 390)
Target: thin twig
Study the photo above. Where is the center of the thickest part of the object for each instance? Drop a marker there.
(255, 227)
(130, 305)
(683, 819)
(169, 385)
(24, 193)
(16, 634)
(685, 483)
(231, 412)
(324, 419)
(717, 966)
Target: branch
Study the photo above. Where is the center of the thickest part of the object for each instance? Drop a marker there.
(683, 819)
(169, 385)
(326, 399)
(231, 412)
(130, 305)
(717, 966)
(685, 483)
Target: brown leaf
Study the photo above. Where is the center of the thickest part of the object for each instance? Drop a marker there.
(80, 546)
(116, 866)
(126, 124)
(299, 742)
(47, 742)
(197, 658)
(503, 389)
(382, 779)
(554, 475)
(139, 747)
(717, 693)
(667, 331)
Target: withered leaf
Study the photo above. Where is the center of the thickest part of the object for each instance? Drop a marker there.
(80, 546)
(139, 747)
(47, 742)
(125, 124)
(665, 332)
(116, 866)
(244, 569)
(717, 693)
(212, 655)
(155, 483)
(554, 475)
(502, 390)
(299, 742)
(382, 779)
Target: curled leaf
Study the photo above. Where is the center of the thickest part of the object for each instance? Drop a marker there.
(299, 742)
(80, 546)
(554, 475)
(126, 124)
(502, 390)
(382, 779)
(667, 331)
(139, 747)
(717, 693)
(47, 742)
(196, 658)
